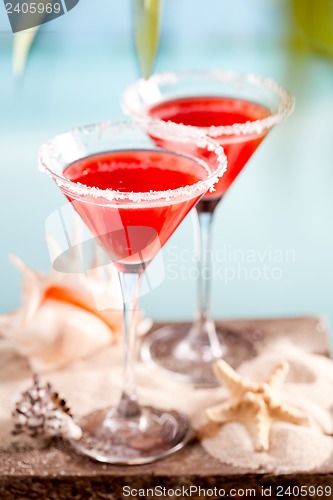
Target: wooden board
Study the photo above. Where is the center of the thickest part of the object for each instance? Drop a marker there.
(54, 471)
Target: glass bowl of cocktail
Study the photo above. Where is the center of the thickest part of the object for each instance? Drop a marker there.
(237, 111)
(132, 195)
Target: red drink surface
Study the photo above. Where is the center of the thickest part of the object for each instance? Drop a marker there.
(132, 232)
(210, 111)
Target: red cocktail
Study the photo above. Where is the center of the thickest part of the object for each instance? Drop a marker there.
(132, 195)
(132, 235)
(205, 112)
(237, 111)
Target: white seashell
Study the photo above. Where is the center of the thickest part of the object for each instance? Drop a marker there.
(57, 335)
(65, 316)
(64, 426)
(40, 411)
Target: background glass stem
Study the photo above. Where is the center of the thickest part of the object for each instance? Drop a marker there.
(204, 325)
(147, 21)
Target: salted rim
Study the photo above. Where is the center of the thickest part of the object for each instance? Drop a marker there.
(132, 95)
(50, 153)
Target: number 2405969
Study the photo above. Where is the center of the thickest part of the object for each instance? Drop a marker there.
(302, 491)
(33, 8)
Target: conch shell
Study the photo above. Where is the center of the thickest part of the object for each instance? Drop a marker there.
(58, 321)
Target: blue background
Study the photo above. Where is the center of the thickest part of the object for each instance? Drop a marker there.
(77, 70)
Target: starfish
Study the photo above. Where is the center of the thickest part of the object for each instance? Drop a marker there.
(257, 405)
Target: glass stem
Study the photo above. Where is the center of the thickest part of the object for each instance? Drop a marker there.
(130, 285)
(204, 325)
(204, 242)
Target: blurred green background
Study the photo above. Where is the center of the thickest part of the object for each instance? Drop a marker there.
(273, 231)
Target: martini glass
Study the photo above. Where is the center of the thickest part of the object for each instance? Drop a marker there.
(132, 195)
(237, 111)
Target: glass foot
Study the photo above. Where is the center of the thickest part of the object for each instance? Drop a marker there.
(153, 435)
(172, 349)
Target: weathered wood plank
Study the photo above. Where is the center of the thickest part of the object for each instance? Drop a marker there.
(54, 471)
